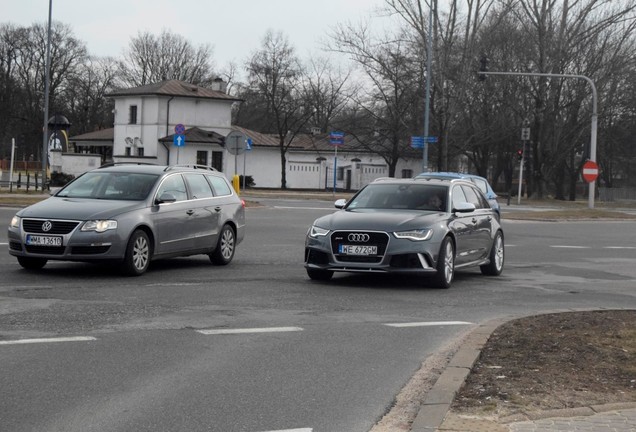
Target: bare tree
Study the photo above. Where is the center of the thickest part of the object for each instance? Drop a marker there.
(67, 54)
(325, 92)
(386, 109)
(274, 85)
(150, 59)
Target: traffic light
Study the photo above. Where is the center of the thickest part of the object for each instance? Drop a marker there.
(483, 67)
(520, 154)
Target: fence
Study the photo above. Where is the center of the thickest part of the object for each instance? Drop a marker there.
(616, 194)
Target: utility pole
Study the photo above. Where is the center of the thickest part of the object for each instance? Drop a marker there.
(45, 127)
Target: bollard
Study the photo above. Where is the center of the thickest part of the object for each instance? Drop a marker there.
(236, 184)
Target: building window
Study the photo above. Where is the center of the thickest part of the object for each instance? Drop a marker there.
(217, 160)
(127, 152)
(202, 157)
(407, 173)
(132, 115)
(340, 174)
(140, 151)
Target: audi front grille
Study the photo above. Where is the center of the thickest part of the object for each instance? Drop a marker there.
(361, 238)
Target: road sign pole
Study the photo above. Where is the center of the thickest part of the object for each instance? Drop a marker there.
(335, 168)
(520, 178)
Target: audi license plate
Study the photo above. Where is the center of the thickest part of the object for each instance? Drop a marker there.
(358, 250)
(39, 240)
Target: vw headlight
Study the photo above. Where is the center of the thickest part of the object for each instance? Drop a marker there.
(99, 225)
(316, 231)
(415, 235)
(15, 222)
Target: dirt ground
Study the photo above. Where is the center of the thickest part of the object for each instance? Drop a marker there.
(553, 361)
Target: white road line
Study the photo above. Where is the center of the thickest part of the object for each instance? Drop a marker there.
(48, 340)
(428, 324)
(619, 247)
(250, 330)
(304, 208)
(569, 247)
(293, 430)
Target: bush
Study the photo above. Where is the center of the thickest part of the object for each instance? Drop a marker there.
(249, 181)
(60, 179)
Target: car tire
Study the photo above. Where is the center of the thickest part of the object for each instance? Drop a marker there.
(318, 274)
(29, 263)
(496, 257)
(225, 246)
(445, 264)
(138, 254)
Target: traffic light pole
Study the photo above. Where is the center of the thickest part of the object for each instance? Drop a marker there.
(594, 113)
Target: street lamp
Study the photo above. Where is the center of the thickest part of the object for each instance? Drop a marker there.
(45, 127)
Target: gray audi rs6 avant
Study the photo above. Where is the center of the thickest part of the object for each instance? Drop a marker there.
(427, 227)
(131, 214)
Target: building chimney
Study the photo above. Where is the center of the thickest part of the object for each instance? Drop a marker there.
(219, 85)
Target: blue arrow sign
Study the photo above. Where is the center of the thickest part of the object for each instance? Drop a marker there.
(248, 144)
(179, 140)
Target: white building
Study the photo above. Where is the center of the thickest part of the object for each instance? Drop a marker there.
(144, 131)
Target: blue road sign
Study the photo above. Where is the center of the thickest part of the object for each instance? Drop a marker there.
(179, 129)
(336, 138)
(430, 139)
(417, 142)
(179, 140)
(248, 144)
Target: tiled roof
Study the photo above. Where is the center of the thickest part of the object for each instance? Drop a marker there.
(173, 88)
(100, 135)
(197, 135)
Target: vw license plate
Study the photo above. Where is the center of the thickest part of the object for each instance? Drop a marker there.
(358, 250)
(38, 240)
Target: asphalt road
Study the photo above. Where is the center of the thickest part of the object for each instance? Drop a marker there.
(257, 346)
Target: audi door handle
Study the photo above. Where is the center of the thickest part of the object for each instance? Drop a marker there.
(190, 212)
(217, 209)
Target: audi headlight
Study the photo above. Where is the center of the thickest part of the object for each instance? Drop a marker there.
(415, 235)
(15, 222)
(99, 225)
(316, 231)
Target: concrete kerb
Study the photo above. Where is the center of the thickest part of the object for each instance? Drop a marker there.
(438, 400)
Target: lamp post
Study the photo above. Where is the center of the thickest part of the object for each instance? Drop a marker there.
(45, 127)
(427, 102)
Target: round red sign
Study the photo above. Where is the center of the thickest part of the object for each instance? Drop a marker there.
(590, 171)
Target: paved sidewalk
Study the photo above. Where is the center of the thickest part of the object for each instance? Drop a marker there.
(435, 415)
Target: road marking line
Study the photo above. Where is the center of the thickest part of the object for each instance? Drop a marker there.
(570, 247)
(47, 340)
(428, 324)
(619, 247)
(293, 430)
(250, 330)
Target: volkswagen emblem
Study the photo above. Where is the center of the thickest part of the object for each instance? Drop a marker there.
(46, 226)
(358, 237)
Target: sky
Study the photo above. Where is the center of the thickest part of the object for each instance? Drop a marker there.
(234, 28)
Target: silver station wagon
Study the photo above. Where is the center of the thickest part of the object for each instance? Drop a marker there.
(427, 227)
(132, 214)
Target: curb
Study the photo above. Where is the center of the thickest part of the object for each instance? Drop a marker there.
(437, 403)
(439, 399)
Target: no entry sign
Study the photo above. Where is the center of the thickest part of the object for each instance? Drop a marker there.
(590, 171)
